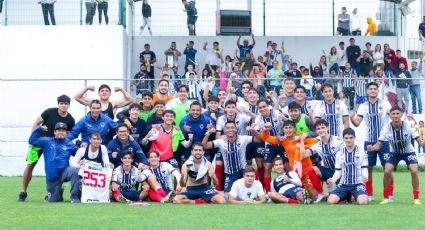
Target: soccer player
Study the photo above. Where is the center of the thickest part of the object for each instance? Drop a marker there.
(137, 126)
(301, 98)
(286, 187)
(125, 178)
(117, 146)
(57, 151)
(303, 123)
(108, 107)
(146, 109)
(48, 119)
(213, 111)
(156, 118)
(241, 120)
(350, 170)
(195, 173)
(399, 135)
(334, 111)
(94, 121)
(181, 104)
(231, 154)
(289, 143)
(324, 152)
(162, 94)
(95, 151)
(247, 190)
(375, 113)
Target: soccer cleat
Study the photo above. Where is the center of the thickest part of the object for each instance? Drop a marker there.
(417, 202)
(370, 198)
(391, 198)
(169, 198)
(306, 197)
(320, 198)
(22, 197)
(121, 199)
(385, 201)
(75, 200)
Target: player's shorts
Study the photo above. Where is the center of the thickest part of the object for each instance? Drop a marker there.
(251, 150)
(343, 191)
(360, 99)
(132, 195)
(33, 155)
(269, 152)
(173, 162)
(229, 179)
(203, 192)
(409, 158)
(292, 192)
(326, 172)
(382, 153)
(306, 183)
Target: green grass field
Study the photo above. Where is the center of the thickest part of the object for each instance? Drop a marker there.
(35, 214)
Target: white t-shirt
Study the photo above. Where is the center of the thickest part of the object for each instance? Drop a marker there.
(241, 192)
(75, 161)
(212, 56)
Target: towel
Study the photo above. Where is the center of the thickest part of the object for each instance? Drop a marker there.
(203, 168)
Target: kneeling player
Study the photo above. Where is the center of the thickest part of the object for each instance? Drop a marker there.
(351, 170)
(125, 178)
(286, 187)
(399, 134)
(195, 172)
(247, 190)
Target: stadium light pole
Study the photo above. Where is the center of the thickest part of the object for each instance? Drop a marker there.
(264, 17)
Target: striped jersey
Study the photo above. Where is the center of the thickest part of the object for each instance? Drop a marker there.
(375, 116)
(163, 175)
(252, 108)
(277, 125)
(233, 154)
(400, 140)
(241, 121)
(333, 114)
(280, 185)
(327, 151)
(361, 88)
(348, 80)
(194, 90)
(128, 181)
(351, 164)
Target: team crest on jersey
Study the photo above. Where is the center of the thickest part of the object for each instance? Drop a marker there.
(201, 126)
(249, 194)
(102, 124)
(130, 149)
(64, 148)
(133, 130)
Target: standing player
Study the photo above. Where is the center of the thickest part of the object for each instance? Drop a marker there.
(399, 134)
(231, 154)
(241, 120)
(324, 154)
(334, 111)
(375, 113)
(195, 173)
(286, 187)
(162, 94)
(247, 190)
(350, 170)
(181, 104)
(48, 119)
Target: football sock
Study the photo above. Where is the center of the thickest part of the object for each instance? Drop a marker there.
(200, 202)
(261, 175)
(267, 181)
(391, 190)
(155, 196)
(416, 194)
(116, 194)
(369, 188)
(291, 201)
(386, 193)
(219, 175)
(315, 180)
(161, 192)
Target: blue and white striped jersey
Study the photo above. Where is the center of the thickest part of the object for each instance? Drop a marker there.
(163, 175)
(327, 151)
(233, 154)
(375, 116)
(351, 165)
(400, 140)
(333, 114)
(277, 125)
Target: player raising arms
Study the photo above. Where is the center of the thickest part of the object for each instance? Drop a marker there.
(195, 172)
(325, 152)
(399, 135)
(286, 187)
(350, 170)
(375, 113)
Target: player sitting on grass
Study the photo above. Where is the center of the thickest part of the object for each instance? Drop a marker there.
(399, 134)
(247, 190)
(286, 187)
(125, 178)
(351, 171)
(195, 172)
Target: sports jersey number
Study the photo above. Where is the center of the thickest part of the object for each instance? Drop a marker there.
(94, 179)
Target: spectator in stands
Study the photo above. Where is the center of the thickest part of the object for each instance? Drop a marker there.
(1, 6)
(274, 54)
(192, 15)
(403, 80)
(172, 55)
(274, 77)
(149, 56)
(214, 55)
(109, 107)
(178, 79)
(389, 60)
(91, 11)
(368, 48)
(332, 59)
(353, 52)
(294, 73)
(307, 82)
(47, 6)
(400, 59)
(147, 13)
(421, 31)
(342, 55)
(343, 22)
(257, 75)
(378, 57)
(190, 53)
(246, 46)
(371, 28)
(246, 62)
(349, 78)
(365, 62)
(415, 85)
(102, 5)
(355, 23)
(141, 79)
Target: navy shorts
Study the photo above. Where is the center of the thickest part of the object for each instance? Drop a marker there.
(229, 179)
(343, 191)
(203, 192)
(292, 192)
(269, 152)
(409, 158)
(326, 172)
(132, 195)
(382, 153)
(173, 162)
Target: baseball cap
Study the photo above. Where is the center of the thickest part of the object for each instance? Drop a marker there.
(60, 125)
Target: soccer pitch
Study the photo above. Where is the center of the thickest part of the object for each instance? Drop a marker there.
(35, 214)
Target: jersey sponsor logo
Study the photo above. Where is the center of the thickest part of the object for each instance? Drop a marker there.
(210, 191)
(361, 188)
(411, 157)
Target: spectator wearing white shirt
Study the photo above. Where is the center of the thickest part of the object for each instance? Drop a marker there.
(355, 23)
(307, 82)
(214, 55)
